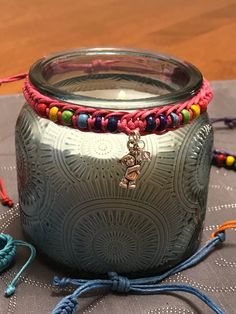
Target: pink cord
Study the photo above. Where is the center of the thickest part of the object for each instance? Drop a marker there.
(127, 122)
(5, 200)
(13, 78)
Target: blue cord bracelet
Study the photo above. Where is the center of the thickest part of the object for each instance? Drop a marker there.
(142, 286)
(120, 284)
(8, 248)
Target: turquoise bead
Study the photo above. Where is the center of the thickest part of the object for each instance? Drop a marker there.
(174, 118)
(82, 121)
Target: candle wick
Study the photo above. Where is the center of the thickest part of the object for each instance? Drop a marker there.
(121, 94)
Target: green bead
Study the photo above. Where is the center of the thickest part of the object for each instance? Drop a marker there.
(66, 117)
(186, 116)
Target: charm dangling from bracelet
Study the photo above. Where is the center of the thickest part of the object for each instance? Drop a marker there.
(133, 160)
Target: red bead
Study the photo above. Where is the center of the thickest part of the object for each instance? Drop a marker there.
(41, 109)
(220, 160)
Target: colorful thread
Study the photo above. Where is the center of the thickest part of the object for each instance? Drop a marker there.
(158, 120)
(8, 248)
(224, 159)
(231, 224)
(148, 285)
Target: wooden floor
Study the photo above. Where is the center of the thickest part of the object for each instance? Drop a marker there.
(202, 31)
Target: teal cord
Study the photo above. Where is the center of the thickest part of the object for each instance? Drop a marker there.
(8, 248)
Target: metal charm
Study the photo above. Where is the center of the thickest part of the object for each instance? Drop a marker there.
(133, 160)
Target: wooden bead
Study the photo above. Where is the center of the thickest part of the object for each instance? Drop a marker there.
(163, 122)
(151, 123)
(220, 159)
(112, 124)
(53, 114)
(230, 161)
(66, 117)
(82, 120)
(196, 111)
(41, 109)
(174, 118)
(186, 116)
(98, 123)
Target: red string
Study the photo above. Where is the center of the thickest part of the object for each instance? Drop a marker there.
(13, 78)
(5, 200)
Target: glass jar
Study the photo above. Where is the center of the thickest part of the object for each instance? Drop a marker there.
(72, 207)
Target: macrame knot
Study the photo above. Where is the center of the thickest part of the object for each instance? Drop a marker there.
(231, 123)
(61, 283)
(221, 236)
(7, 250)
(68, 305)
(6, 201)
(119, 283)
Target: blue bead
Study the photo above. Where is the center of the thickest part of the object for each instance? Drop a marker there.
(174, 118)
(151, 123)
(112, 124)
(98, 123)
(82, 121)
(163, 122)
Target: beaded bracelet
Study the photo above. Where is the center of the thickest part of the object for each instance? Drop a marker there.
(224, 159)
(157, 120)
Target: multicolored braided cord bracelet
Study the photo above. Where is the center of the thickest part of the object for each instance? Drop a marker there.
(158, 120)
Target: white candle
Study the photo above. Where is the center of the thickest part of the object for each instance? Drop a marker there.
(103, 98)
(122, 94)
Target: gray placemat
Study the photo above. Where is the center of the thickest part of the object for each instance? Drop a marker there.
(216, 276)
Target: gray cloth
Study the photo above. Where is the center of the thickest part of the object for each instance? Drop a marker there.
(216, 275)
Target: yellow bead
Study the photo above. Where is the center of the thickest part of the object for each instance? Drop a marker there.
(196, 111)
(230, 161)
(53, 114)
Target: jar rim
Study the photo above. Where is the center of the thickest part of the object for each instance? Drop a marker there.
(40, 77)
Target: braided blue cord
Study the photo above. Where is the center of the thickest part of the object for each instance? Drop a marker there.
(148, 285)
(7, 253)
(7, 250)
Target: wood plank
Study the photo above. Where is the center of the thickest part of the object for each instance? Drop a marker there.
(202, 32)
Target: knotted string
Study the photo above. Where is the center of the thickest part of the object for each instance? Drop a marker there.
(8, 248)
(230, 122)
(13, 78)
(148, 285)
(5, 200)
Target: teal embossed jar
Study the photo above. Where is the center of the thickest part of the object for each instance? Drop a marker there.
(84, 203)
